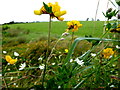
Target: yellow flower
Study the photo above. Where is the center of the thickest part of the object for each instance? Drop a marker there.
(55, 7)
(37, 12)
(59, 13)
(74, 25)
(66, 50)
(60, 18)
(54, 12)
(10, 60)
(107, 53)
(13, 61)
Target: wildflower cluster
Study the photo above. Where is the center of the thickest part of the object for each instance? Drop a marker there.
(107, 53)
(74, 25)
(52, 9)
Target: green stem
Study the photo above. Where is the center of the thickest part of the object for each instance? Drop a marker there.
(49, 30)
(53, 49)
(72, 36)
(72, 39)
(17, 70)
(47, 53)
(6, 67)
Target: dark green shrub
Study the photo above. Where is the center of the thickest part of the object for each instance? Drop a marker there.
(5, 27)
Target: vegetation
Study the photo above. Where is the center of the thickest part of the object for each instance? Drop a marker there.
(54, 55)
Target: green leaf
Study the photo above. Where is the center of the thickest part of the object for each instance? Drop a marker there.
(80, 83)
(118, 2)
(50, 9)
(108, 26)
(104, 14)
(46, 7)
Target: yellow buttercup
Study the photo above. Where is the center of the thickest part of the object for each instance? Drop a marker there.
(10, 60)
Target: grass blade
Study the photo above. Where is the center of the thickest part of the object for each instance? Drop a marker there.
(79, 84)
(79, 39)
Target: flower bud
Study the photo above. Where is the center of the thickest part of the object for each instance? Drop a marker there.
(118, 16)
(109, 10)
(62, 39)
(65, 34)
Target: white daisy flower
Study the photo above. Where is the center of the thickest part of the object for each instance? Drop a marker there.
(112, 86)
(16, 54)
(93, 54)
(0, 75)
(59, 87)
(32, 89)
(22, 66)
(42, 66)
(8, 63)
(11, 78)
(40, 58)
(117, 47)
(76, 59)
(80, 62)
(53, 63)
(71, 60)
(4, 52)
(14, 83)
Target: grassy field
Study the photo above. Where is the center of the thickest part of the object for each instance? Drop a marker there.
(29, 40)
(36, 30)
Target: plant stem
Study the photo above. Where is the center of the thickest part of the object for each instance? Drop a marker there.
(119, 62)
(96, 17)
(47, 53)
(72, 38)
(17, 70)
(49, 30)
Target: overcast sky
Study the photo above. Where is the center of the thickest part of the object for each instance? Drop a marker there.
(23, 10)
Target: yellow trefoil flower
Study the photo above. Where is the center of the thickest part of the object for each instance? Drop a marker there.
(107, 53)
(66, 50)
(54, 11)
(10, 60)
(74, 25)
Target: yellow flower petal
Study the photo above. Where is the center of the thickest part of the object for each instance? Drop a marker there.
(66, 50)
(59, 13)
(63, 12)
(8, 58)
(60, 18)
(13, 61)
(55, 7)
(37, 12)
(108, 52)
(49, 4)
